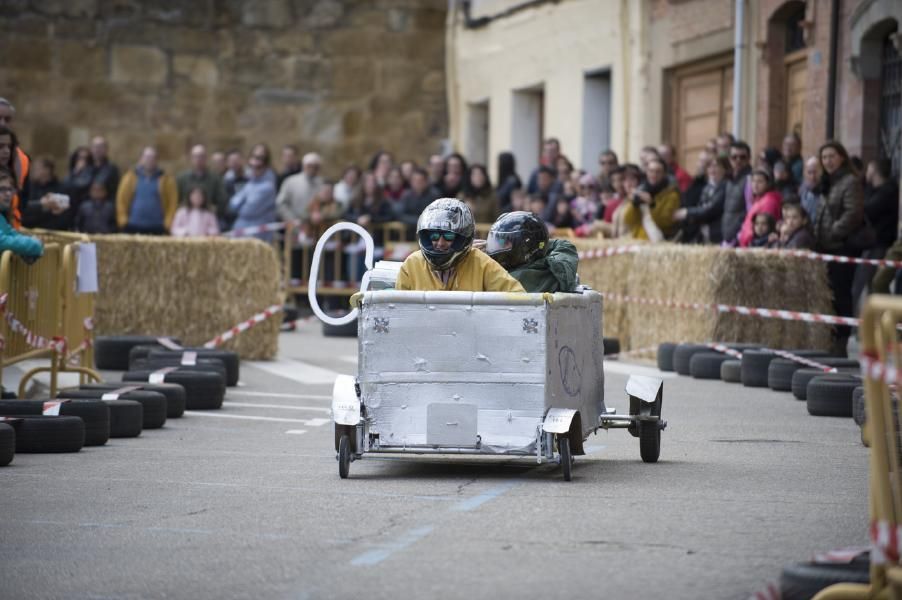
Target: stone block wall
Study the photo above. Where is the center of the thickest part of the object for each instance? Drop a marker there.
(342, 77)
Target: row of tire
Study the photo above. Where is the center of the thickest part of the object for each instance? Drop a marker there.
(91, 414)
(836, 394)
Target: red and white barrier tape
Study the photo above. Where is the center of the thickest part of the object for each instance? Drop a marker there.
(219, 340)
(872, 368)
(805, 361)
(885, 542)
(767, 313)
(635, 248)
(85, 344)
(32, 339)
(248, 231)
(725, 350)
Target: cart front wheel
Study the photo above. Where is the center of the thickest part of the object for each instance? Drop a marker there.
(649, 441)
(563, 444)
(344, 456)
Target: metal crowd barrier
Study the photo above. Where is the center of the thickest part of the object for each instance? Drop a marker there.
(880, 346)
(44, 316)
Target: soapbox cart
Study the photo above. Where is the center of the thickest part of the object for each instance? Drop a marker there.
(459, 373)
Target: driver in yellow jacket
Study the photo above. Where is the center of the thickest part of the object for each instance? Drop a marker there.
(446, 260)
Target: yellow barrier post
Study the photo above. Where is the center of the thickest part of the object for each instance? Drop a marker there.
(879, 338)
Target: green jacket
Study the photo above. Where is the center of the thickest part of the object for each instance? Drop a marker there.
(554, 272)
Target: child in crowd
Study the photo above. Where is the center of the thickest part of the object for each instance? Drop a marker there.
(563, 216)
(27, 247)
(764, 199)
(795, 230)
(196, 219)
(764, 226)
(536, 205)
(585, 205)
(96, 214)
(519, 201)
(324, 208)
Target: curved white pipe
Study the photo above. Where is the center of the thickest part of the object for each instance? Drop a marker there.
(314, 270)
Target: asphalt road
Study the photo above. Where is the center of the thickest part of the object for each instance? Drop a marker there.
(247, 503)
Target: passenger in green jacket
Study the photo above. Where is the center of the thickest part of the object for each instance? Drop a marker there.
(519, 242)
(29, 248)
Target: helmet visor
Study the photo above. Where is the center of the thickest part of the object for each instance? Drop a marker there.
(500, 241)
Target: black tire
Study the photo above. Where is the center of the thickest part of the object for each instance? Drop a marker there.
(753, 371)
(126, 418)
(781, 370)
(683, 354)
(706, 365)
(7, 444)
(346, 330)
(111, 352)
(6, 394)
(175, 394)
(665, 356)
(801, 377)
(203, 390)
(230, 360)
(40, 434)
(649, 441)
(831, 395)
(344, 456)
(95, 414)
(731, 370)
(213, 365)
(563, 448)
(153, 404)
(804, 580)
(611, 346)
(858, 410)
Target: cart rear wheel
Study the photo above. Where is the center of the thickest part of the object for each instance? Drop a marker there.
(649, 441)
(563, 444)
(344, 456)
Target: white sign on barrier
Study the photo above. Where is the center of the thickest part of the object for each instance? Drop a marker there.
(86, 274)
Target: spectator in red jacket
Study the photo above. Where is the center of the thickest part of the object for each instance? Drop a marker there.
(668, 154)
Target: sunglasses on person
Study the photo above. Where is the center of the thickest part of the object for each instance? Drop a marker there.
(449, 236)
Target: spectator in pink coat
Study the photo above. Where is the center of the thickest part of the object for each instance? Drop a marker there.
(195, 219)
(764, 199)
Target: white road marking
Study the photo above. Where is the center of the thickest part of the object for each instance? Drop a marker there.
(296, 431)
(254, 405)
(308, 422)
(629, 369)
(281, 395)
(296, 371)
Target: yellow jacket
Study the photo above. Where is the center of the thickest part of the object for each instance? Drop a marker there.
(476, 271)
(667, 201)
(169, 197)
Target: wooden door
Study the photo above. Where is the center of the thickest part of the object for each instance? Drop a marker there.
(796, 74)
(702, 107)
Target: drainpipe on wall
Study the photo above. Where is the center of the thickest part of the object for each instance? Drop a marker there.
(831, 76)
(738, 66)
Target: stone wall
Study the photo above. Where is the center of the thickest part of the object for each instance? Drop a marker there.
(343, 77)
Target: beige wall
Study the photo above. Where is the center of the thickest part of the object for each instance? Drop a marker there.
(554, 45)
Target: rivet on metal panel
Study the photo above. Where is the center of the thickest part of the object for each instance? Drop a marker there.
(403, 407)
(455, 397)
(526, 359)
(480, 356)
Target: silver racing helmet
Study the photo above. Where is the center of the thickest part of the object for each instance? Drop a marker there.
(445, 232)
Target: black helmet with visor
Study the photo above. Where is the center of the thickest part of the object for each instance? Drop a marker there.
(517, 238)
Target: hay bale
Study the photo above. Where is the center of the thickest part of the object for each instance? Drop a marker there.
(191, 288)
(708, 275)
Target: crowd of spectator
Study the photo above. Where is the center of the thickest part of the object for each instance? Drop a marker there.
(828, 202)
